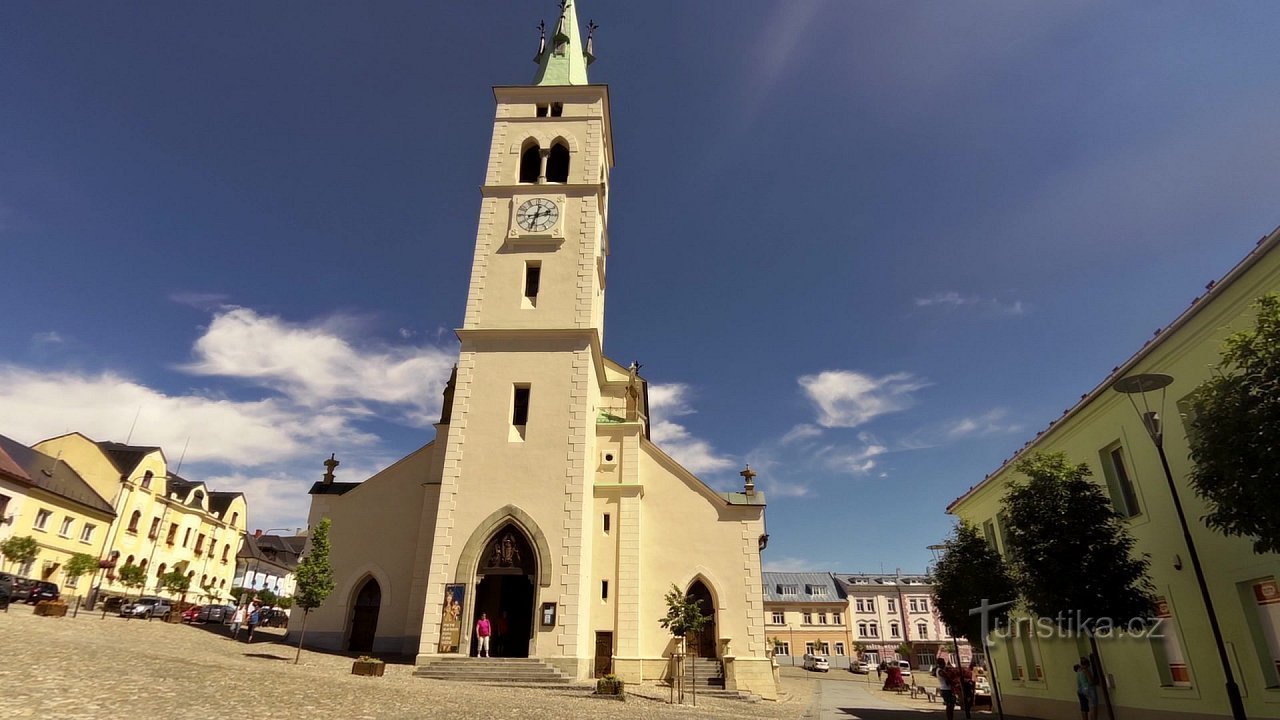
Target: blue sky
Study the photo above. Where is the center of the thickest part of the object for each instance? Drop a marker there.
(870, 248)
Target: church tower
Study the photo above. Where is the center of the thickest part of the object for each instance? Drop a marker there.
(542, 506)
(519, 459)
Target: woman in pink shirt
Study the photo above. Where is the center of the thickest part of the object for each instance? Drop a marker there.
(482, 635)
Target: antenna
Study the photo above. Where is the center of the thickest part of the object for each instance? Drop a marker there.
(183, 456)
(135, 424)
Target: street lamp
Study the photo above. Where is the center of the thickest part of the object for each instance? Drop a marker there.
(1138, 386)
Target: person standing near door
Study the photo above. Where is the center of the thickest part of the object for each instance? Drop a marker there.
(483, 630)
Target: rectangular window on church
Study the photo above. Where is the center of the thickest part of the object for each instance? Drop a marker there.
(604, 589)
(606, 523)
(520, 408)
(532, 279)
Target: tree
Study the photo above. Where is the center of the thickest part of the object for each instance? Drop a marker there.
(1071, 554)
(684, 615)
(79, 565)
(1234, 434)
(175, 582)
(268, 597)
(285, 602)
(971, 574)
(20, 550)
(314, 579)
(132, 576)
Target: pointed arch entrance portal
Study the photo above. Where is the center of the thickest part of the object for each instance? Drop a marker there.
(364, 617)
(703, 642)
(505, 582)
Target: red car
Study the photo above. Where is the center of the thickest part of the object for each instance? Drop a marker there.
(190, 614)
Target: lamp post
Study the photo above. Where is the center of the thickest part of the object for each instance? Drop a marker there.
(1136, 386)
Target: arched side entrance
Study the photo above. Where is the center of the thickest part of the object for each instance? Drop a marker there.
(506, 578)
(364, 617)
(703, 642)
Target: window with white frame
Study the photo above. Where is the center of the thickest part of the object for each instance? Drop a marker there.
(817, 590)
(836, 619)
(787, 589)
(86, 533)
(65, 530)
(891, 605)
(820, 648)
(862, 629)
(822, 618)
(871, 604)
(922, 631)
(806, 618)
(873, 629)
(840, 648)
(782, 648)
(860, 605)
(42, 519)
(894, 631)
(808, 648)
(778, 617)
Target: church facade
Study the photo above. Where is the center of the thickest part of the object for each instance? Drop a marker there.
(542, 502)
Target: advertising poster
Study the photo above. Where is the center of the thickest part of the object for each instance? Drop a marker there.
(451, 618)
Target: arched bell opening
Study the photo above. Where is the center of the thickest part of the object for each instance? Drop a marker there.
(506, 579)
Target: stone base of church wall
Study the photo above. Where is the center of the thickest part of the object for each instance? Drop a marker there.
(752, 675)
(571, 667)
(629, 669)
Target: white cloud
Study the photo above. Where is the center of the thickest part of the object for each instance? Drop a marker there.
(314, 364)
(50, 337)
(854, 460)
(103, 406)
(991, 422)
(845, 398)
(803, 431)
(695, 454)
(952, 300)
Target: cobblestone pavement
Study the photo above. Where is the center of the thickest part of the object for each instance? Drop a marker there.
(88, 667)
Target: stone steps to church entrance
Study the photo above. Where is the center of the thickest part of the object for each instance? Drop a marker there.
(531, 671)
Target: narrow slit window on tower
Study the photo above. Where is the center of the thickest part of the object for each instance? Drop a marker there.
(520, 406)
(606, 523)
(558, 163)
(557, 109)
(542, 110)
(532, 278)
(604, 589)
(530, 163)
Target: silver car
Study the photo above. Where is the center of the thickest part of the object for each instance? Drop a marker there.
(146, 607)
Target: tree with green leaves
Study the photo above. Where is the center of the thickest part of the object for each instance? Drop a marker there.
(20, 550)
(132, 576)
(1234, 434)
(684, 614)
(176, 582)
(76, 567)
(971, 574)
(314, 578)
(268, 597)
(1071, 553)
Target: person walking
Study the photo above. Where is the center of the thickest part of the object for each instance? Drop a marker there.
(880, 671)
(968, 688)
(483, 629)
(237, 620)
(1087, 690)
(948, 685)
(255, 617)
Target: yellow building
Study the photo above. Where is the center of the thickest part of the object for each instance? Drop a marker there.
(805, 614)
(164, 522)
(1178, 675)
(57, 507)
(542, 500)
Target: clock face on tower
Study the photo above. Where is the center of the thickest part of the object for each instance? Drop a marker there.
(537, 215)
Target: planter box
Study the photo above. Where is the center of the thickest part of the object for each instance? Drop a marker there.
(371, 669)
(611, 687)
(48, 609)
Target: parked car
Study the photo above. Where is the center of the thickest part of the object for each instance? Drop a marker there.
(215, 613)
(275, 617)
(905, 667)
(6, 590)
(146, 607)
(190, 614)
(817, 663)
(862, 667)
(33, 591)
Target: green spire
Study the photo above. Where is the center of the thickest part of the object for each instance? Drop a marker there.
(564, 61)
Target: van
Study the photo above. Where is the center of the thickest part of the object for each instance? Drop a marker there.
(905, 667)
(817, 663)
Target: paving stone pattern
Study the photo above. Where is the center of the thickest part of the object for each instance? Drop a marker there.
(88, 667)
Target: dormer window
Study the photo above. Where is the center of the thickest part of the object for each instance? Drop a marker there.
(787, 589)
(816, 590)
